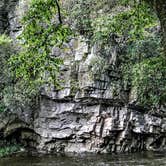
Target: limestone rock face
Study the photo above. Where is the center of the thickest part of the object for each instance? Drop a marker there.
(66, 126)
(90, 113)
(11, 12)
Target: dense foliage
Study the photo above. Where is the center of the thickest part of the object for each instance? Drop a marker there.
(132, 26)
(144, 69)
(35, 63)
(6, 50)
(14, 94)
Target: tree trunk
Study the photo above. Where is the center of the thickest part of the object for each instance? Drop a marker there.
(161, 12)
(59, 11)
(160, 8)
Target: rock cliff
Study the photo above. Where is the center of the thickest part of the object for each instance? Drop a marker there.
(90, 113)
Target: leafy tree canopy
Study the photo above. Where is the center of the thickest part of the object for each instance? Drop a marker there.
(24, 71)
(135, 24)
(41, 31)
(131, 21)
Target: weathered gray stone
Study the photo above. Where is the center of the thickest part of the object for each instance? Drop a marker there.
(101, 128)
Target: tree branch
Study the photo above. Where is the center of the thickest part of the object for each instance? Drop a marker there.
(59, 11)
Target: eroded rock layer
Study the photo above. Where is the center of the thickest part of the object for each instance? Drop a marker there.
(87, 127)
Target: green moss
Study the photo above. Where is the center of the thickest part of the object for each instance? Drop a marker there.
(74, 87)
(74, 82)
(98, 66)
(85, 56)
(4, 39)
(2, 107)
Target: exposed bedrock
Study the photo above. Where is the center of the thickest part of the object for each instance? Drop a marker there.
(77, 127)
(65, 126)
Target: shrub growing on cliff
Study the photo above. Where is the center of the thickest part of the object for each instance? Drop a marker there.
(6, 50)
(22, 74)
(35, 65)
(133, 23)
(129, 20)
(149, 81)
(5, 53)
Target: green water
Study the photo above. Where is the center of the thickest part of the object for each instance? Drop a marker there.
(135, 159)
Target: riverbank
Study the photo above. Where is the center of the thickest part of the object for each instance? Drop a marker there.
(134, 159)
